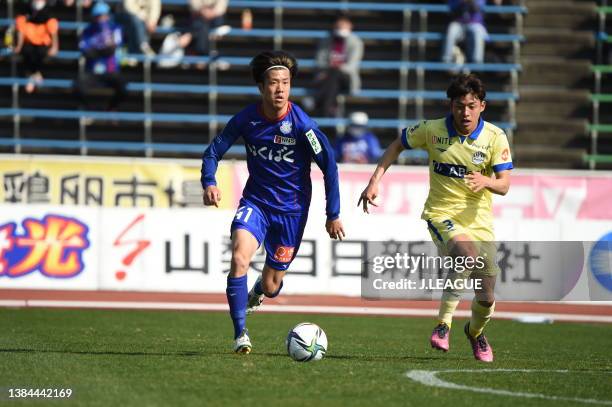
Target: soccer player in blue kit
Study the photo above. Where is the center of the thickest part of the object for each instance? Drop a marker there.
(281, 140)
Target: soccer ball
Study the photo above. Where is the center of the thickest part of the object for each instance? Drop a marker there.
(306, 342)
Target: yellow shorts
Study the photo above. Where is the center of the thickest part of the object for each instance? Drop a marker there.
(442, 229)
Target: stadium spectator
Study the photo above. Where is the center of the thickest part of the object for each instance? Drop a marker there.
(99, 44)
(338, 59)
(470, 161)
(281, 142)
(138, 20)
(207, 17)
(37, 39)
(467, 24)
(358, 145)
(70, 3)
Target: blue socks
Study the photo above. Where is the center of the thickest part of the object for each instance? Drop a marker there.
(258, 290)
(237, 297)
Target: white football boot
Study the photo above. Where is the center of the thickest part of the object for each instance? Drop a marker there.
(242, 344)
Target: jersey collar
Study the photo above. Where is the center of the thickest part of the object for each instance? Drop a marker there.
(452, 132)
(273, 120)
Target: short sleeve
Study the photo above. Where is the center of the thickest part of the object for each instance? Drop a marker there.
(52, 26)
(20, 23)
(501, 159)
(415, 136)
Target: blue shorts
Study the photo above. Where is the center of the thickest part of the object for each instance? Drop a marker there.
(280, 233)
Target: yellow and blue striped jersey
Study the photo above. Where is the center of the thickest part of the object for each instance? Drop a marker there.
(451, 157)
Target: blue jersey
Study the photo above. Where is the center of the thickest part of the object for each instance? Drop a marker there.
(279, 154)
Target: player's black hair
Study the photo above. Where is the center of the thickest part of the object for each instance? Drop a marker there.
(260, 64)
(465, 84)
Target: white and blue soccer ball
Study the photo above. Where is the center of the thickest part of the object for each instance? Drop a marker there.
(306, 342)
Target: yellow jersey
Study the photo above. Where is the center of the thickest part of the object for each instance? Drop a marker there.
(451, 157)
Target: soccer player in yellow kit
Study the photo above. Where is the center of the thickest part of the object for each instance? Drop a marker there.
(469, 160)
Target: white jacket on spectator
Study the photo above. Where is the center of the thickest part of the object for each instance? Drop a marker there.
(220, 6)
(146, 10)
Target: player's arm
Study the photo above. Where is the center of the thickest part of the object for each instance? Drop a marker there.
(323, 154)
(210, 161)
(501, 164)
(500, 184)
(410, 138)
(370, 193)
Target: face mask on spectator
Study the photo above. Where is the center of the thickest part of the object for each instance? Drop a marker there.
(357, 131)
(342, 33)
(38, 5)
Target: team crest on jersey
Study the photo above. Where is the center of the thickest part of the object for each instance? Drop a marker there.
(478, 157)
(286, 141)
(285, 127)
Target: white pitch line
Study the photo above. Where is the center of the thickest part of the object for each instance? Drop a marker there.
(303, 309)
(429, 378)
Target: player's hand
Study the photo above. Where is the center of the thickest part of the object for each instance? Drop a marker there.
(477, 182)
(151, 26)
(335, 229)
(212, 196)
(368, 196)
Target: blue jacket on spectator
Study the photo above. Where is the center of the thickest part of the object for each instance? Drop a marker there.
(467, 11)
(99, 44)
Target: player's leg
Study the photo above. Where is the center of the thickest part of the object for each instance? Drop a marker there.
(268, 284)
(483, 303)
(483, 306)
(282, 243)
(452, 240)
(244, 246)
(247, 232)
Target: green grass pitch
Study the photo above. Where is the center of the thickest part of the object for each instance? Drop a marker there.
(165, 358)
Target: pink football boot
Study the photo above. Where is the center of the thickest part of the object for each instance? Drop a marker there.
(480, 346)
(440, 336)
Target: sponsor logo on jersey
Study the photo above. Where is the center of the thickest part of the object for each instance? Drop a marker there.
(314, 141)
(449, 170)
(478, 157)
(284, 254)
(287, 141)
(255, 123)
(440, 140)
(272, 154)
(285, 127)
(481, 147)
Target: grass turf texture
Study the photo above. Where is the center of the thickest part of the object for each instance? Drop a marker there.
(161, 358)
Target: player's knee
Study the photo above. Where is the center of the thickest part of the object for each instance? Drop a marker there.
(465, 250)
(486, 304)
(240, 264)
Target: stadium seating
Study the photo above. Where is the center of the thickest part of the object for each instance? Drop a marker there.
(185, 106)
(597, 127)
(601, 98)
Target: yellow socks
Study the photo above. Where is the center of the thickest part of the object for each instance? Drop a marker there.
(448, 304)
(480, 317)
